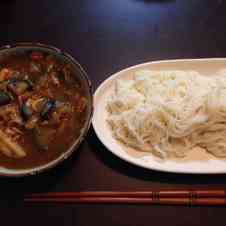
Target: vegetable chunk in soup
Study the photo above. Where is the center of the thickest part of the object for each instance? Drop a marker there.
(42, 108)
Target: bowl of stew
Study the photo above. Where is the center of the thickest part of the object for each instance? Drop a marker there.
(45, 108)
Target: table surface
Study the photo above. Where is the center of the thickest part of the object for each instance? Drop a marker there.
(106, 36)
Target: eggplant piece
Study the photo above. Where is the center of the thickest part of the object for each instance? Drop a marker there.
(4, 98)
(47, 109)
(18, 87)
(25, 111)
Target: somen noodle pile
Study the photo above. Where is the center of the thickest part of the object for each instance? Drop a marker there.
(168, 113)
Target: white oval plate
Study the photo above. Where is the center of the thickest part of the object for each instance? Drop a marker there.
(198, 161)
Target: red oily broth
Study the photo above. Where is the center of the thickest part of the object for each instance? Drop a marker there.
(43, 108)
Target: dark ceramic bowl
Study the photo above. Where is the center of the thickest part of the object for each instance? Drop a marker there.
(81, 76)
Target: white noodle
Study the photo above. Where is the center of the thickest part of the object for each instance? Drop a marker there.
(170, 112)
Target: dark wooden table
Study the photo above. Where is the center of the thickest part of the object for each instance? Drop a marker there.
(106, 36)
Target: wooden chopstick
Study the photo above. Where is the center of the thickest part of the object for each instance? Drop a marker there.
(170, 197)
(131, 200)
(147, 194)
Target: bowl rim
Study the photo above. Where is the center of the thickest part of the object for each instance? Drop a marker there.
(73, 147)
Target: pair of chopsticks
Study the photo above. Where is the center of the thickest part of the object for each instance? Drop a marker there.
(164, 197)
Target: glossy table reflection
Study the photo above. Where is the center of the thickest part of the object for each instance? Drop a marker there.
(106, 36)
